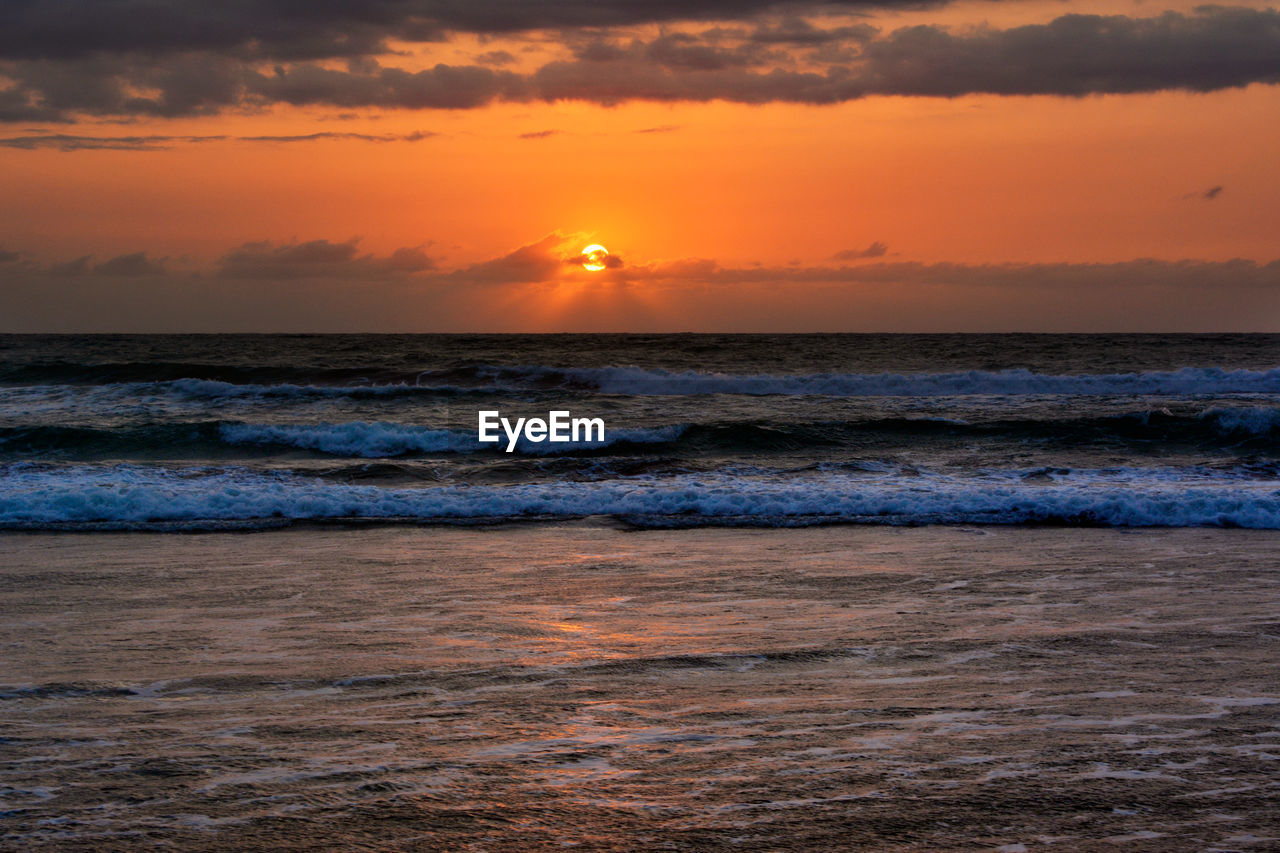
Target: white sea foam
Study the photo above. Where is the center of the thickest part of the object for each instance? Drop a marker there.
(380, 439)
(41, 495)
(1243, 420)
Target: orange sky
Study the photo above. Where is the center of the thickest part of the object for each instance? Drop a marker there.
(979, 179)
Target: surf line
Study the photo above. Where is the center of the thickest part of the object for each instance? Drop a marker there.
(560, 426)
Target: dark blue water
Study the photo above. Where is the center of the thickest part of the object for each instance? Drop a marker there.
(244, 432)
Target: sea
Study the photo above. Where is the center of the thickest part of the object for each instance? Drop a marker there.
(809, 593)
(246, 432)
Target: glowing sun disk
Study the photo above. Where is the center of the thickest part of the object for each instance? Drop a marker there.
(595, 257)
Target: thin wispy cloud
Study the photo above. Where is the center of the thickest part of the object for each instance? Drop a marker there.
(71, 142)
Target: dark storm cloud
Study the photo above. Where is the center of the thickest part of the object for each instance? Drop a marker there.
(9, 257)
(1082, 54)
(688, 52)
(318, 259)
(440, 87)
(205, 84)
(286, 29)
(186, 85)
(875, 250)
(62, 29)
(1073, 55)
(790, 61)
(797, 31)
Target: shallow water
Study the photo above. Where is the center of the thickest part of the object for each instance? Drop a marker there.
(583, 686)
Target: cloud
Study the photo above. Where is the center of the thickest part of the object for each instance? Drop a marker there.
(130, 265)
(557, 254)
(790, 60)
(793, 30)
(318, 259)
(1211, 193)
(70, 269)
(875, 250)
(579, 260)
(1073, 55)
(70, 142)
(1149, 274)
(535, 262)
(321, 285)
(204, 84)
(496, 57)
(9, 257)
(545, 260)
(439, 87)
(539, 134)
(1215, 48)
(664, 128)
(71, 29)
(416, 136)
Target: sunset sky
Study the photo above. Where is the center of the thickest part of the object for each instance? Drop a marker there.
(434, 165)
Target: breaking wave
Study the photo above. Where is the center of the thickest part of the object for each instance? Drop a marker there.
(1257, 427)
(44, 496)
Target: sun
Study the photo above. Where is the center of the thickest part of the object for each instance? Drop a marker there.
(595, 257)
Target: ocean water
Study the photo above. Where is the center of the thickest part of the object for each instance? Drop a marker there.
(577, 686)
(245, 432)
(810, 593)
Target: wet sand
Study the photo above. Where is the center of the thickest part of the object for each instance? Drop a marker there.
(584, 687)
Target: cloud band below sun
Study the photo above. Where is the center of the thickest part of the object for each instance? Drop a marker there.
(321, 285)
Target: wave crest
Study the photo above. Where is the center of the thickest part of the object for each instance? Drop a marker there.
(50, 497)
